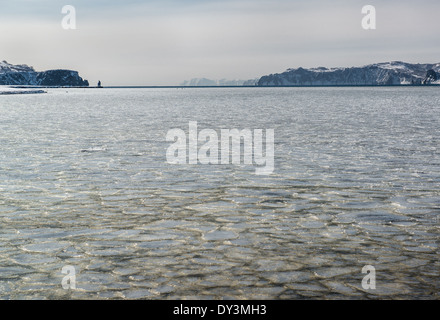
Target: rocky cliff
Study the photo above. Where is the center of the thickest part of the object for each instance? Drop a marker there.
(24, 75)
(388, 73)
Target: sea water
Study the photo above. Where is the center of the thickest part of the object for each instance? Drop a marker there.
(85, 183)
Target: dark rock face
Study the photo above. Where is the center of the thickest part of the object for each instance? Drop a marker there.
(431, 76)
(61, 78)
(389, 73)
(23, 75)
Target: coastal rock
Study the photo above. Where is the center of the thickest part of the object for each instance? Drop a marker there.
(23, 75)
(431, 76)
(388, 73)
(61, 78)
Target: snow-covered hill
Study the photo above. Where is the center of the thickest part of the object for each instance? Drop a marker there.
(387, 73)
(24, 75)
(7, 67)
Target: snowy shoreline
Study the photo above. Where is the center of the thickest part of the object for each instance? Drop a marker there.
(9, 90)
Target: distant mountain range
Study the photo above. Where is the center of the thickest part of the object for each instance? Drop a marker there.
(23, 75)
(386, 73)
(204, 82)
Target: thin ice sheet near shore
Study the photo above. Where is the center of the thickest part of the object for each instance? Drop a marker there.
(10, 90)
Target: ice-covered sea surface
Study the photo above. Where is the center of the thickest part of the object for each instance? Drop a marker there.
(84, 182)
(4, 90)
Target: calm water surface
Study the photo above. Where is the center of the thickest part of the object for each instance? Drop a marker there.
(84, 182)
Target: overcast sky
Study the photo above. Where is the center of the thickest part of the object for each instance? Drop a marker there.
(163, 42)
